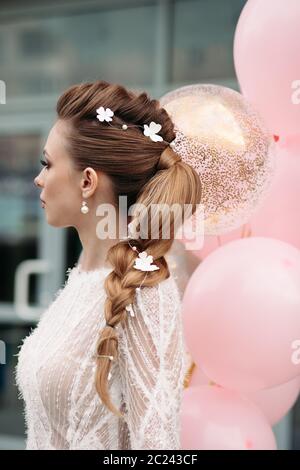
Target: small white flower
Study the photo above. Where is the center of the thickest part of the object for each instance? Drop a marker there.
(104, 114)
(129, 309)
(151, 131)
(143, 262)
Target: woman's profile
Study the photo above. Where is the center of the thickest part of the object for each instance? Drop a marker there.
(104, 368)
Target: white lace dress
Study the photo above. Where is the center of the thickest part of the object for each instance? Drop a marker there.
(56, 365)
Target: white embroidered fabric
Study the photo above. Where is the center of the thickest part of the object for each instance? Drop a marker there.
(56, 366)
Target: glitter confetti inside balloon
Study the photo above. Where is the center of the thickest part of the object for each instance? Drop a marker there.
(225, 140)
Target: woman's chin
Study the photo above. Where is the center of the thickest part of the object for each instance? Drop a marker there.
(53, 222)
(57, 223)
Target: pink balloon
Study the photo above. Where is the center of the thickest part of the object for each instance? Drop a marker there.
(278, 213)
(277, 401)
(241, 314)
(291, 143)
(213, 418)
(273, 402)
(267, 61)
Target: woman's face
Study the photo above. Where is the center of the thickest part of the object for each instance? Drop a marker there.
(60, 181)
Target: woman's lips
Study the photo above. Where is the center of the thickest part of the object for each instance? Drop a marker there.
(42, 202)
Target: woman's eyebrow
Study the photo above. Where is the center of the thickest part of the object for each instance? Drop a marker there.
(45, 153)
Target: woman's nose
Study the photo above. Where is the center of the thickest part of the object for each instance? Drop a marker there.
(37, 181)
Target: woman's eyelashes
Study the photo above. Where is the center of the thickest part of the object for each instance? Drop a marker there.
(44, 163)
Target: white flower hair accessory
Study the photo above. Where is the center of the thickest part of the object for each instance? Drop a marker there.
(104, 114)
(129, 309)
(144, 262)
(151, 130)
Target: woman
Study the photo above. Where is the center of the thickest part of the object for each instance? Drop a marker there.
(104, 368)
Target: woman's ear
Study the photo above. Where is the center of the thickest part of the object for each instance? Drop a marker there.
(89, 181)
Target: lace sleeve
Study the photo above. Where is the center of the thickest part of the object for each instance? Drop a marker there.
(152, 358)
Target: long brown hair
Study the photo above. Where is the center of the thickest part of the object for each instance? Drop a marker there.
(144, 171)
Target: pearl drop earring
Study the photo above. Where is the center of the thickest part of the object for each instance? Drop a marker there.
(84, 208)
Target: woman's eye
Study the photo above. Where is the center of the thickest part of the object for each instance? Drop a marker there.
(45, 164)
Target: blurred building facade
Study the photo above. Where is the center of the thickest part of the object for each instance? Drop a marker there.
(46, 46)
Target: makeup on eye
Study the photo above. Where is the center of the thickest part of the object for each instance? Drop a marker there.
(47, 156)
(44, 163)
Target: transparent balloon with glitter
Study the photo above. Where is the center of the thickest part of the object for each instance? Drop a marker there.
(220, 134)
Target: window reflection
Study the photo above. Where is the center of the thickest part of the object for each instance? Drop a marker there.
(45, 56)
(19, 206)
(203, 39)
